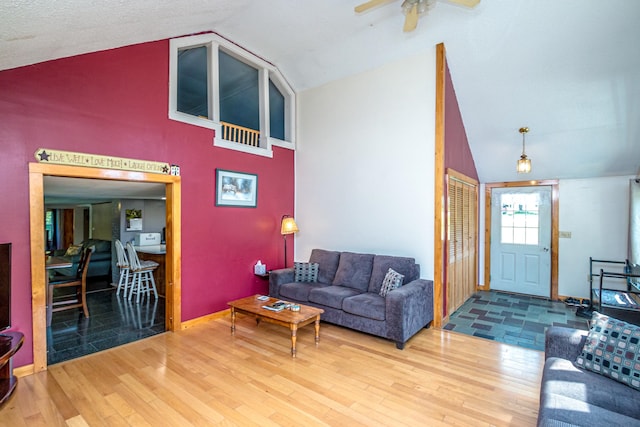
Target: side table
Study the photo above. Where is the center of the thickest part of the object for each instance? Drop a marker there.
(10, 343)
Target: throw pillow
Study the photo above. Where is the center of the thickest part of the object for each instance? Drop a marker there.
(73, 250)
(305, 271)
(392, 280)
(612, 349)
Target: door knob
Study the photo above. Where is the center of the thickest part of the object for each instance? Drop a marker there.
(545, 249)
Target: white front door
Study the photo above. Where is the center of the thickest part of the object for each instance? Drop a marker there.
(521, 240)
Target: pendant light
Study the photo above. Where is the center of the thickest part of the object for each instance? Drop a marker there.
(524, 163)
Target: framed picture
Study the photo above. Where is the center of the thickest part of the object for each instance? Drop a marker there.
(134, 219)
(236, 189)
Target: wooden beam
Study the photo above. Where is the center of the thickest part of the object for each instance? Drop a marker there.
(439, 183)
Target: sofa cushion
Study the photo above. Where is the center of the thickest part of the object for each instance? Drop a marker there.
(305, 271)
(558, 411)
(612, 349)
(298, 291)
(562, 377)
(327, 264)
(393, 280)
(367, 305)
(382, 263)
(331, 296)
(354, 270)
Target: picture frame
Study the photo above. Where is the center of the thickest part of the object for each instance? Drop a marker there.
(133, 219)
(238, 189)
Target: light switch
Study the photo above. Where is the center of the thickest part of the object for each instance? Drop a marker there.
(564, 234)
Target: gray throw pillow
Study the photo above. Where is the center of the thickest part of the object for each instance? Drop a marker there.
(305, 271)
(392, 280)
(612, 349)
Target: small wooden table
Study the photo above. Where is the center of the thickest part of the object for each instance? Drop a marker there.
(10, 343)
(291, 319)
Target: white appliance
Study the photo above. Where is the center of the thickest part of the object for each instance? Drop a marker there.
(148, 239)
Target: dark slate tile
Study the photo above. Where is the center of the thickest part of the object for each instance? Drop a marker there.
(501, 304)
(481, 335)
(534, 326)
(481, 326)
(513, 322)
(478, 311)
(490, 319)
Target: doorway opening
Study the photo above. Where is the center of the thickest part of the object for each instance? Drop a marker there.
(90, 213)
(37, 172)
(521, 251)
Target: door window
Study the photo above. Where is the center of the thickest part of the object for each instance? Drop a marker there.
(519, 218)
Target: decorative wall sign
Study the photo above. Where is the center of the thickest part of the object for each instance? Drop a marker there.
(236, 189)
(69, 158)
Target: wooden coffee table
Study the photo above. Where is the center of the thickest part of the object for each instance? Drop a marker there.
(291, 319)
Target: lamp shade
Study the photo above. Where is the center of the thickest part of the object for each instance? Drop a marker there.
(524, 164)
(288, 226)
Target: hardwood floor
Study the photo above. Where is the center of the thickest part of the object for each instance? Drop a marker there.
(204, 376)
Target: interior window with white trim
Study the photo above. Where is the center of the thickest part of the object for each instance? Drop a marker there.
(218, 85)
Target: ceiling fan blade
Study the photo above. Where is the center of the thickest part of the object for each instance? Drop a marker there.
(465, 3)
(411, 21)
(370, 5)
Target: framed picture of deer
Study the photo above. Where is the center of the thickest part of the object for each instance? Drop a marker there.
(236, 189)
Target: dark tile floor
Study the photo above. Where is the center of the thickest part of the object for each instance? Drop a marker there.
(513, 319)
(113, 320)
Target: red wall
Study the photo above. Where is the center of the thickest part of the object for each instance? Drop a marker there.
(116, 103)
(457, 154)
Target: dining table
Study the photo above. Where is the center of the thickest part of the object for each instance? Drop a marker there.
(52, 262)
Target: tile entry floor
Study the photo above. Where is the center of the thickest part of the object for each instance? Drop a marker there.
(513, 319)
(113, 320)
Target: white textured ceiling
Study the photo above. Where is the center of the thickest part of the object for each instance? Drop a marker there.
(568, 69)
(60, 191)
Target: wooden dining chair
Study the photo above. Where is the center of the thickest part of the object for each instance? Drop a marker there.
(76, 300)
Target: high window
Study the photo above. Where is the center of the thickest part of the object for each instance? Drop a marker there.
(218, 85)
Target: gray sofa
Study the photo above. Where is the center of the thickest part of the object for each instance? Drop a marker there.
(99, 265)
(347, 289)
(570, 396)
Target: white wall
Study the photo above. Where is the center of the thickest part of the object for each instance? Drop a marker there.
(596, 212)
(365, 163)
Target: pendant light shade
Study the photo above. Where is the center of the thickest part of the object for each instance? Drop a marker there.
(524, 163)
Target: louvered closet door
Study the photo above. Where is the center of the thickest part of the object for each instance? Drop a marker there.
(462, 234)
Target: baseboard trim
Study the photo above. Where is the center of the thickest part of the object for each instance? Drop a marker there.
(24, 371)
(204, 319)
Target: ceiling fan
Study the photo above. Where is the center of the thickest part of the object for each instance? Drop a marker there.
(412, 9)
